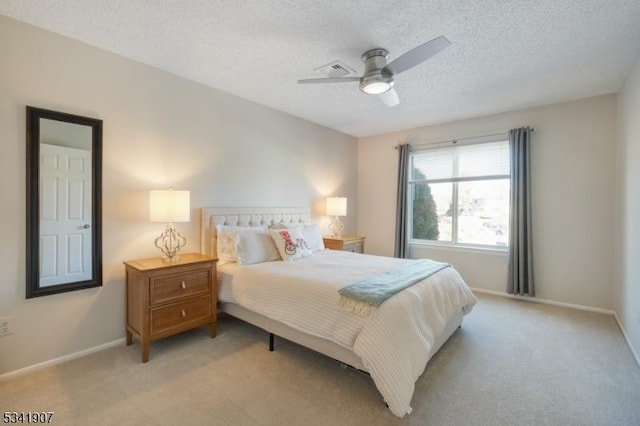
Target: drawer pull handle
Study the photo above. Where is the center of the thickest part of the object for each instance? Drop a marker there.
(184, 286)
(184, 314)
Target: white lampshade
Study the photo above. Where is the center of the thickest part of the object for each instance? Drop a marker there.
(168, 206)
(336, 206)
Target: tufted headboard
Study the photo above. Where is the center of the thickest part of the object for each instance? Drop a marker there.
(245, 216)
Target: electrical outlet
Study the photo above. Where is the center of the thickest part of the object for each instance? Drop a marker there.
(5, 326)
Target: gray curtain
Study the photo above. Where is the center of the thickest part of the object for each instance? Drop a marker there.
(520, 280)
(401, 244)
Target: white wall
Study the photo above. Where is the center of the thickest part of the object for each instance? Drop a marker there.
(573, 194)
(627, 295)
(159, 131)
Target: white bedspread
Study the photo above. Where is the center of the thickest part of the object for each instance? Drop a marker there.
(394, 343)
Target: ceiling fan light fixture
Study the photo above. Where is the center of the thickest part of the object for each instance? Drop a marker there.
(376, 87)
(376, 84)
(377, 78)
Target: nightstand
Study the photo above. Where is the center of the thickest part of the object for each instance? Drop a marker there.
(165, 298)
(352, 243)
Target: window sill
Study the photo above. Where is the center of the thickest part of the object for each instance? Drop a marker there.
(459, 248)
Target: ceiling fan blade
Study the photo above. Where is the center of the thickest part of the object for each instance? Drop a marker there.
(329, 80)
(389, 98)
(417, 55)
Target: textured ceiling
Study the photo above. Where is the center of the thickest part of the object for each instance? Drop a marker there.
(505, 54)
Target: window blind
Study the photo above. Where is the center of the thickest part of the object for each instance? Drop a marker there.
(461, 162)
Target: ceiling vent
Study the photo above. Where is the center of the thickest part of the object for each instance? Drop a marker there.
(335, 69)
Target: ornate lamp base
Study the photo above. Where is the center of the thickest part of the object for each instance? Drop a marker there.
(170, 242)
(336, 227)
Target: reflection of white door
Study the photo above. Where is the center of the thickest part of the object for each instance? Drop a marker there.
(65, 215)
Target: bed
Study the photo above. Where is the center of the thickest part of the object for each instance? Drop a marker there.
(297, 300)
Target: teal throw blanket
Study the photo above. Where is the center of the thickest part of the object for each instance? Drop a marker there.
(364, 296)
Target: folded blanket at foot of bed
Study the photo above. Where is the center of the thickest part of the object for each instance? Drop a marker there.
(364, 296)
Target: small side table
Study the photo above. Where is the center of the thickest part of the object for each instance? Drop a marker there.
(166, 298)
(352, 243)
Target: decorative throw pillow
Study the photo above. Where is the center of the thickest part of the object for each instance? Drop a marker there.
(291, 244)
(227, 241)
(255, 247)
(311, 234)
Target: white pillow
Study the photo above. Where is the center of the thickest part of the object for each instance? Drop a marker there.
(278, 225)
(226, 241)
(313, 236)
(255, 247)
(291, 244)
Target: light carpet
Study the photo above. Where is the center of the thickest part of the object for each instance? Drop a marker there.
(511, 363)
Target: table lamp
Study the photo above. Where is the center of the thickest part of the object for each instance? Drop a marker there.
(336, 207)
(169, 206)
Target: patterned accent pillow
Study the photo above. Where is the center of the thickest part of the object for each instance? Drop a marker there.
(291, 244)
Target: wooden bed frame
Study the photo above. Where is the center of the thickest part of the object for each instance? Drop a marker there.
(255, 216)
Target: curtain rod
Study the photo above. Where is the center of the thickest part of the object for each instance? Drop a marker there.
(461, 139)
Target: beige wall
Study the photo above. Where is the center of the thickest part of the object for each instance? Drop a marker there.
(159, 131)
(573, 194)
(627, 295)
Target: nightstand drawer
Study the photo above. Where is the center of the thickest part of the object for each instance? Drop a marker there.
(170, 287)
(352, 243)
(355, 247)
(178, 316)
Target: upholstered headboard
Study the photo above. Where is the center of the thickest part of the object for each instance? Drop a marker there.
(245, 216)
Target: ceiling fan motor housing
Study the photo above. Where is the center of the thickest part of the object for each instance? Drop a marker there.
(375, 79)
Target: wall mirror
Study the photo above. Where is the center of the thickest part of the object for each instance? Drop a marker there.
(64, 177)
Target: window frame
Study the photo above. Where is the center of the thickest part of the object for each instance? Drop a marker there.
(454, 244)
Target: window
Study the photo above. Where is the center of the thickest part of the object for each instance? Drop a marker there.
(459, 195)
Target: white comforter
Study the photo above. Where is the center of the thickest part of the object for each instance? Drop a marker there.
(394, 342)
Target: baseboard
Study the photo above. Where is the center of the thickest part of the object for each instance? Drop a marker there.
(60, 360)
(626, 337)
(545, 301)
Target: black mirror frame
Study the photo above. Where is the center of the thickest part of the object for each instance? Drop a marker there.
(33, 202)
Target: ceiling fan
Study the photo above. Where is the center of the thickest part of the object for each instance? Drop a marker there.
(378, 74)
